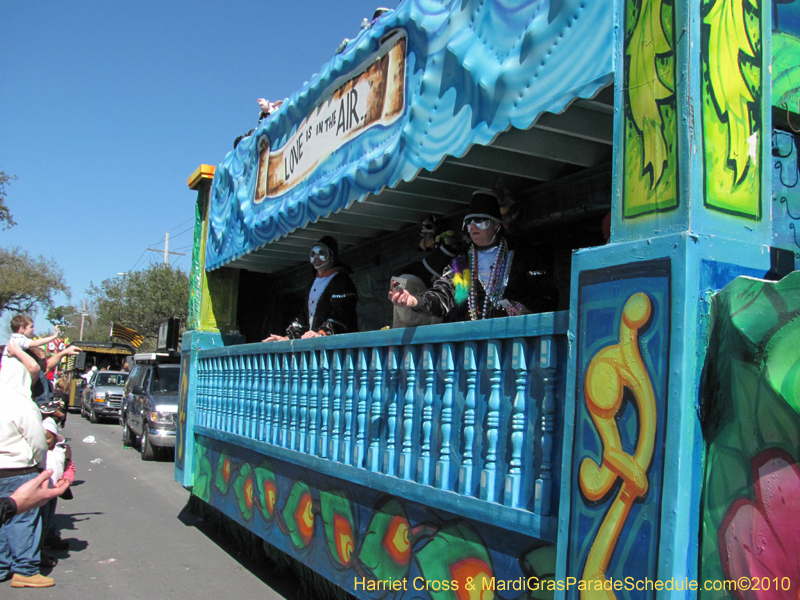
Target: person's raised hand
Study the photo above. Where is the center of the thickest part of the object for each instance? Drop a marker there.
(403, 299)
(36, 492)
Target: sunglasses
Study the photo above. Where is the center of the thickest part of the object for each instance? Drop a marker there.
(481, 223)
(321, 252)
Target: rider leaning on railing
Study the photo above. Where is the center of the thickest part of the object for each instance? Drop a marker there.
(489, 280)
(332, 297)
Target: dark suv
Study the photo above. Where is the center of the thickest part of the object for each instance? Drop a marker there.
(150, 407)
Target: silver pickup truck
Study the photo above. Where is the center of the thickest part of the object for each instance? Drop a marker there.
(102, 396)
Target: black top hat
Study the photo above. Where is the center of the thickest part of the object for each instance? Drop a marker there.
(484, 205)
(330, 243)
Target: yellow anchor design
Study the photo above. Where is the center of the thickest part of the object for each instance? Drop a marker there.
(611, 371)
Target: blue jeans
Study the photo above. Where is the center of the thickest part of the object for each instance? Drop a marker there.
(20, 537)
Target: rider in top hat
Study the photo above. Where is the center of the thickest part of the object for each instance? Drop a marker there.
(332, 297)
(487, 281)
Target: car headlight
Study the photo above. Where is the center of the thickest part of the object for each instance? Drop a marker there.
(159, 417)
(100, 396)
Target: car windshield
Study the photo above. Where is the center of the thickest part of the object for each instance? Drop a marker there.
(165, 381)
(111, 379)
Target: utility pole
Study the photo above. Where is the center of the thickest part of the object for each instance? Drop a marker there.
(166, 250)
(83, 316)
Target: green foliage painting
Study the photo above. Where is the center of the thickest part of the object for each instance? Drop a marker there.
(196, 277)
(751, 424)
(651, 174)
(785, 71)
(731, 42)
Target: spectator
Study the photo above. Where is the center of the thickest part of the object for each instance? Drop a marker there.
(331, 300)
(12, 372)
(19, 368)
(23, 453)
(59, 460)
(487, 281)
(90, 370)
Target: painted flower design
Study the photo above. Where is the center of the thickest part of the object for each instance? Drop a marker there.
(345, 540)
(337, 516)
(476, 570)
(396, 541)
(759, 539)
(456, 552)
(304, 516)
(386, 550)
(298, 514)
(244, 487)
(267, 489)
(224, 472)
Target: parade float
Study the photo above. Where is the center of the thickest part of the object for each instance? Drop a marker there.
(645, 432)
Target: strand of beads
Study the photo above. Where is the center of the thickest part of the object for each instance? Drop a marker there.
(496, 274)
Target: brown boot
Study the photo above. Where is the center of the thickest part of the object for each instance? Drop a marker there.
(34, 581)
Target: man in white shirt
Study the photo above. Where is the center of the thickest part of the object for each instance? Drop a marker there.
(23, 453)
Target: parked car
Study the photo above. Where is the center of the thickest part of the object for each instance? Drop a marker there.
(102, 396)
(150, 407)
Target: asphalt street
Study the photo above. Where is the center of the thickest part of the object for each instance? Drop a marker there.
(132, 538)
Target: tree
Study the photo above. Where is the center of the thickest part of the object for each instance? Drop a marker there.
(26, 281)
(62, 315)
(141, 300)
(5, 214)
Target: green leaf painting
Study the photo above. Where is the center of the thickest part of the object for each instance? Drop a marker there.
(455, 554)
(339, 527)
(225, 468)
(203, 474)
(386, 550)
(540, 564)
(267, 489)
(244, 487)
(785, 71)
(650, 107)
(298, 514)
(751, 398)
(731, 106)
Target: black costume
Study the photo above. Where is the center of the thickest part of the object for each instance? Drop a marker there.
(449, 297)
(335, 310)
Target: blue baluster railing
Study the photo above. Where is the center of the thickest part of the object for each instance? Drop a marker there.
(313, 402)
(463, 411)
(333, 450)
(349, 398)
(406, 454)
(393, 399)
(424, 464)
(361, 410)
(448, 369)
(466, 478)
(269, 386)
(519, 365)
(325, 404)
(375, 412)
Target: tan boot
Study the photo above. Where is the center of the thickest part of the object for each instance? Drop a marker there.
(34, 581)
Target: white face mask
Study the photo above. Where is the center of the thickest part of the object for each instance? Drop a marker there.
(321, 252)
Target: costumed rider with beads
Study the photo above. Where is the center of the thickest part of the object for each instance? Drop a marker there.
(331, 300)
(488, 280)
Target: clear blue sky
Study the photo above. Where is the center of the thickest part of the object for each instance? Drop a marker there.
(107, 107)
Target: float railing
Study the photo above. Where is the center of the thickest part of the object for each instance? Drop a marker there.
(465, 416)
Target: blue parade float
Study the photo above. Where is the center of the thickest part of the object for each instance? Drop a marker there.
(625, 439)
